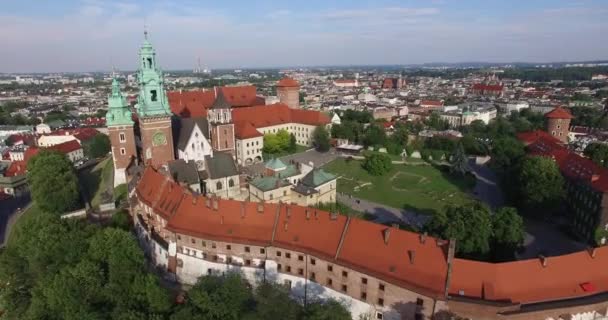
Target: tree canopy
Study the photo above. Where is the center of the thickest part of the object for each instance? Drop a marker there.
(53, 182)
(540, 184)
(320, 138)
(277, 142)
(98, 146)
(598, 153)
(377, 164)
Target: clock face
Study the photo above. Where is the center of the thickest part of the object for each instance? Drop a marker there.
(159, 139)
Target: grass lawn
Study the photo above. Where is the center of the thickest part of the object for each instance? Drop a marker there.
(392, 156)
(98, 181)
(425, 189)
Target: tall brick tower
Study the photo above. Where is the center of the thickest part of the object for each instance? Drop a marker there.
(221, 127)
(120, 129)
(153, 110)
(558, 123)
(288, 91)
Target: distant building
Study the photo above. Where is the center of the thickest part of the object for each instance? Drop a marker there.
(393, 83)
(346, 83)
(492, 90)
(558, 123)
(431, 104)
(288, 91)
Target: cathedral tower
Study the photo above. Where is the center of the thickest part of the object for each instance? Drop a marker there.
(220, 124)
(153, 110)
(120, 130)
(288, 91)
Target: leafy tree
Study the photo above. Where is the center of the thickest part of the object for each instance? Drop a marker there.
(394, 148)
(506, 152)
(283, 138)
(98, 146)
(400, 134)
(328, 310)
(409, 150)
(320, 138)
(459, 161)
(425, 154)
(598, 152)
(292, 143)
(470, 224)
(473, 145)
(540, 184)
(437, 155)
(508, 227)
(435, 122)
(357, 116)
(53, 182)
(377, 164)
(272, 301)
(271, 143)
(374, 135)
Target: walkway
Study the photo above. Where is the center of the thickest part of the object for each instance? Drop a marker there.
(486, 189)
(10, 211)
(383, 213)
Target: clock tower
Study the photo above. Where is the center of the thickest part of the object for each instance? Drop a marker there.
(153, 110)
(120, 131)
(221, 126)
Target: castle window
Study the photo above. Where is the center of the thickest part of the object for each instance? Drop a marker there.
(149, 62)
(262, 251)
(218, 185)
(380, 302)
(230, 183)
(123, 151)
(153, 95)
(279, 267)
(122, 137)
(247, 249)
(381, 287)
(363, 296)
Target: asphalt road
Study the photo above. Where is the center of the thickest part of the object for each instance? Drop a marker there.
(9, 213)
(486, 188)
(382, 213)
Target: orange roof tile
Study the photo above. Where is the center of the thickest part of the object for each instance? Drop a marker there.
(559, 113)
(245, 130)
(279, 113)
(364, 246)
(288, 82)
(196, 103)
(66, 147)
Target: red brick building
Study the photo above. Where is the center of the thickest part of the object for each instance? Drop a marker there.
(288, 91)
(558, 123)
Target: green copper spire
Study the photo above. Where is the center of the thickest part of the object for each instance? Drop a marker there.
(152, 100)
(118, 113)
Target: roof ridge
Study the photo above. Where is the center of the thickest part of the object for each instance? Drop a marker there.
(342, 237)
(276, 222)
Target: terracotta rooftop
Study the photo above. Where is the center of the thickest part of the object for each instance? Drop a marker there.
(488, 87)
(196, 103)
(278, 113)
(66, 147)
(559, 113)
(288, 82)
(245, 130)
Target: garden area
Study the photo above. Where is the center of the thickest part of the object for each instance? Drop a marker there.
(98, 182)
(421, 188)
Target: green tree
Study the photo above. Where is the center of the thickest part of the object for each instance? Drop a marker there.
(377, 164)
(469, 224)
(292, 143)
(272, 144)
(435, 122)
(598, 153)
(506, 152)
(272, 301)
(53, 182)
(326, 310)
(283, 138)
(459, 161)
(98, 146)
(320, 138)
(540, 184)
(508, 228)
(374, 136)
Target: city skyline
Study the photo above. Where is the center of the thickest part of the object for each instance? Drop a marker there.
(73, 36)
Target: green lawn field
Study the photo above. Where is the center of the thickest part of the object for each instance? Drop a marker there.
(422, 188)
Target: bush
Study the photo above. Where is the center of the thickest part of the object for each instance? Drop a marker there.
(394, 148)
(437, 155)
(377, 164)
(121, 220)
(409, 150)
(120, 193)
(425, 154)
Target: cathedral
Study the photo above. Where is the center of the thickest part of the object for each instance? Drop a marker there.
(200, 138)
(148, 135)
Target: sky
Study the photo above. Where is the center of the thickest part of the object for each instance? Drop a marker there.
(90, 35)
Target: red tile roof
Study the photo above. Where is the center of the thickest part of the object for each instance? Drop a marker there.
(559, 113)
(66, 147)
(488, 87)
(436, 103)
(196, 103)
(29, 153)
(529, 137)
(275, 114)
(288, 82)
(396, 256)
(16, 168)
(528, 281)
(245, 130)
(82, 134)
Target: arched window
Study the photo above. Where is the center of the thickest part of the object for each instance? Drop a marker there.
(230, 183)
(218, 185)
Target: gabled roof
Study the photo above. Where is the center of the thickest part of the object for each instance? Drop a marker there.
(279, 113)
(221, 165)
(187, 125)
(316, 178)
(275, 164)
(559, 113)
(195, 103)
(245, 130)
(66, 147)
(220, 101)
(183, 171)
(529, 137)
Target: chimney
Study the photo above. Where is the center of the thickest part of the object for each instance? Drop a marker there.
(288, 208)
(333, 216)
(543, 260)
(423, 237)
(307, 214)
(591, 251)
(208, 202)
(221, 219)
(412, 255)
(386, 233)
(194, 200)
(215, 204)
(316, 215)
(242, 210)
(260, 207)
(285, 226)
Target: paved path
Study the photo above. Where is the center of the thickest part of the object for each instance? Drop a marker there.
(383, 213)
(487, 188)
(10, 212)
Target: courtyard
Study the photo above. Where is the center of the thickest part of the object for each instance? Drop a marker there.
(424, 189)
